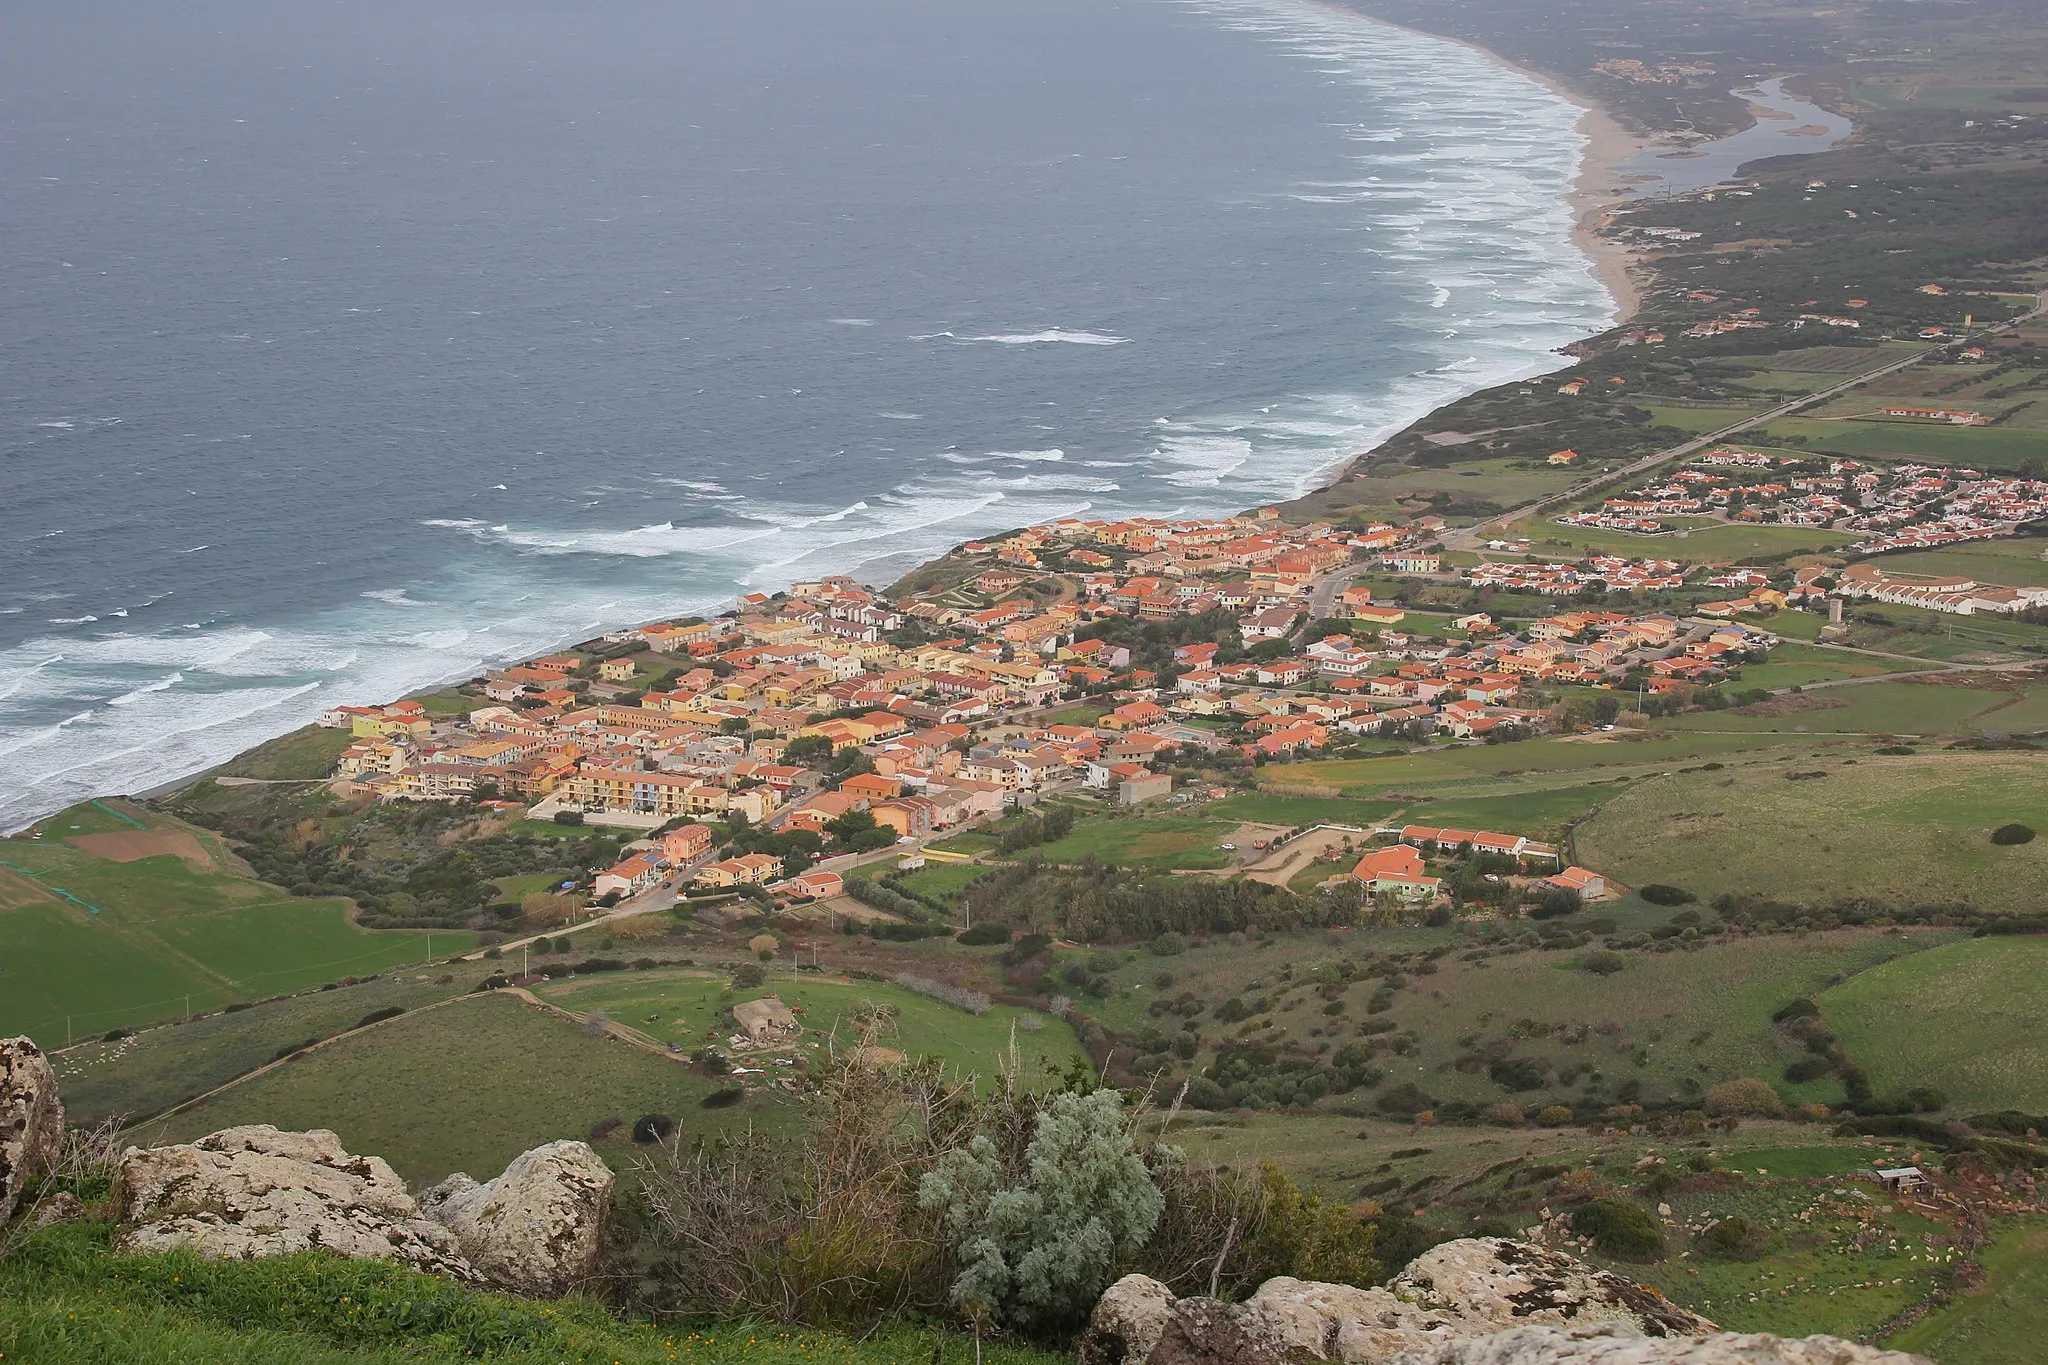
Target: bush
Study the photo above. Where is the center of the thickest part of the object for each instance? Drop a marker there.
(1744, 1095)
(1036, 1245)
(1553, 1116)
(2014, 833)
(724, 1098)
(1405, 1100)
(1625, 1231)
(568, 817)
(1556, 904)
(984, 935)
(1734, 1238)
(747, 976)
(605, 1127)
(653, 1128)
(1169, 944)
(378, 1016)
(1808, 1069)
(1517, 1073)
(1657, 893)
(1603, 963)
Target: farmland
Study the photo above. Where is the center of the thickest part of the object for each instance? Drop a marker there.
(465, 1087)
(1968, 1018)
(117, 933)
(1909, 830)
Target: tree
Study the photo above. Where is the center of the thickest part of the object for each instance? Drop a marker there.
(1744, 1095)
(1036, 1244)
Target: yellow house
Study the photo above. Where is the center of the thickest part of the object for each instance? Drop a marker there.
(617, 670)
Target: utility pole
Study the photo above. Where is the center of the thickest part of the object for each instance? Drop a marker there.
(188, 1009)
(430, 949)
(524, 970)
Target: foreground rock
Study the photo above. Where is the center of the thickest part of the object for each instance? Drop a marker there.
(31, 1119)
(1478, 1301)
(1556, 1346)
(538, 1228)
(244, 1194)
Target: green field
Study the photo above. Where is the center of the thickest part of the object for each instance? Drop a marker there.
(1697, 539)
(159, 1067)
(1799, 665)
(1900, 830)
(683, 1008)
(1698, 421)
(299, 756)
(1983, 447)
(1536, 814)
(943, 880)
(2001, 1323)
(466, 1087)
(2015, 561)
(1159, 843)
(1969, 1019)
(1877, 708)
(1276, 808)
(161, 930)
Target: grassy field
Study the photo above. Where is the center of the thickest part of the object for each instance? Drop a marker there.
(2015, 561)
(152, 1070)
(1983, 447)
(1696, 421)
(1159, 843)
(67, 1299)
(117, 943)
(1277, 808)
(1536, 813)
(1904, 830)
(1969, 1019)
(466, 1087)
(1698, 540)
(1878, 708)
(943, 880)
(2002, 1323)
(684, 1008)
(299, 756)
(1800, 665)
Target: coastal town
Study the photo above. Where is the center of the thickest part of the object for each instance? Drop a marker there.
(1136, 661)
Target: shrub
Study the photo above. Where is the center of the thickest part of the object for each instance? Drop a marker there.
(1744, 1095)
(984, 935)
(605, 1127)
(1035, 1246)
(747, 976)
(1556, 904)
(378, 1016)
(974, 1002)
(1734, 1238)
(1657, 893)
(1798, 1009)
(1553, 1116)
(723, 1098)
(653, 1128)
(1505, 1114)
(568, 817)
(1169, 944)
(1625, 1231)
(2014, 833)
(1405, 1100)
(1808, 1069)
(1517, 1073)
(1600, 962)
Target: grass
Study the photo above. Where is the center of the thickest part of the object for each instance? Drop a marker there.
(1696, 421)
(1159, 844)
(1910, 830)
(67, 1299)
(2001, 1323)
(943, 880)
(1990, 448)
(2017, 562)
(299, 756)
(1533, 813)
(1878, 708)
(1698, 540)
(1275, 808)
(1075, 715)
(466, 1087)
(685, 1008)
(1968, 1019)
(152, 1070)
(1800, 665)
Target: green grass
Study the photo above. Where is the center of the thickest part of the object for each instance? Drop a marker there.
(67, 1299)
(1274, 808)
(466, 1087)
(2001, 1323)
(1899, 830)
(684, 1008)
(1160, 843)
(1968, 1019)
(1983, 447)
(159, 1067)
(1800, 665)
(301, 755)
(2015, 561)
(943, 880)
(1699, 539)
(1697, 421)
(1075, 715)
(1537, 813)
(1879, 708)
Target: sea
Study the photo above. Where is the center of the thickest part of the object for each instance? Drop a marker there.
(351, 348)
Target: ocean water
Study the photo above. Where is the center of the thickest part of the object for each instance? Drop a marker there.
(348, 348)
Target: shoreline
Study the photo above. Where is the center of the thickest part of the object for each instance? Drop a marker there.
(1606, 147)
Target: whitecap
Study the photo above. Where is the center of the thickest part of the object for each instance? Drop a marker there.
(394, 596)
(72, 620)
(853, 322)
(160, 685)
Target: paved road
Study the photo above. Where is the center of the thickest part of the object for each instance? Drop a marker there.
(1469, 538)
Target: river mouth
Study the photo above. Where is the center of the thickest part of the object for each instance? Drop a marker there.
(1785, 126)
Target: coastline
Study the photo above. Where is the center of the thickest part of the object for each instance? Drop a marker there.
(1606, 146)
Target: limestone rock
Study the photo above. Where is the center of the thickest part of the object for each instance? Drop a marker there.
(1610, 1346)
(538, 1229)
(1505, 1283)
(1209, 1332)
(253, 1192)
(31, 1119)
(1339, 1322)
(61, 1207)
(1128, 1321)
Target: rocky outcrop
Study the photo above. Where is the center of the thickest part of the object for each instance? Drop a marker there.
(538, 1228)
(31, 1119)
(254, 1192)
(1590, 1346)
(1478, 1301)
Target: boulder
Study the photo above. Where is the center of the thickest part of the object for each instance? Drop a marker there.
(1129, 1319)
(1506, 1283)
(538, 1229)
(1477, 1301)
(253, 1192)
(31, 1119)
(1605, 1346)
